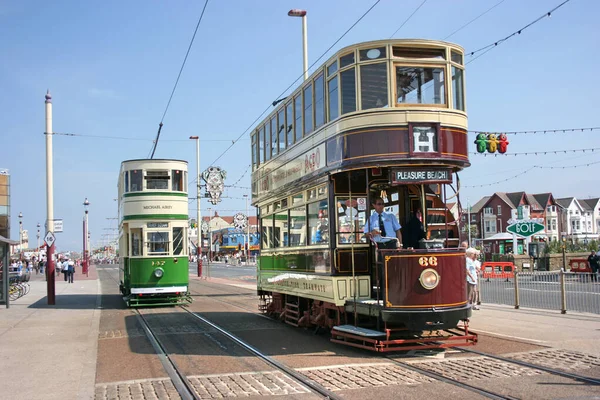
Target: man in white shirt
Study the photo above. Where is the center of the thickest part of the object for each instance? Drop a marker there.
(383, 227)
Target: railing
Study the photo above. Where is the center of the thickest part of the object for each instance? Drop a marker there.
(556, 290)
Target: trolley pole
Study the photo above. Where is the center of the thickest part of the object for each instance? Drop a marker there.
(247, 232)
(50, 284)
(198, 212)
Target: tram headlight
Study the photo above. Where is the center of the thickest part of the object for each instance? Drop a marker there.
(429, 278)
(158, 272)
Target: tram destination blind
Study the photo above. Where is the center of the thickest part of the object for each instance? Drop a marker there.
(421, 175)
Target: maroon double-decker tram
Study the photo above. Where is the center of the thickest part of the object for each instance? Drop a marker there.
(379, 119)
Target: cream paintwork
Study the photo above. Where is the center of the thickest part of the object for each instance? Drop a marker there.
(151, 205)
(333, 289)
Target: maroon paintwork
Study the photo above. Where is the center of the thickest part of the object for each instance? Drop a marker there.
(402, 270)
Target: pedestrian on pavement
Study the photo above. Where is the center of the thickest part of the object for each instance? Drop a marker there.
(471, 257)
(58, 267)
(65, 269)
(71, 271)
(594, 261)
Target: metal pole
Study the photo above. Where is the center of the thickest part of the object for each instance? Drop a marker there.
(516, 290)
(305, 46)
(563, 293)
(469, 220)
(84, 237)
(86, 251)
(210, 255)
(247, 232)
(198, 211)
(49, 201)
(20, 237)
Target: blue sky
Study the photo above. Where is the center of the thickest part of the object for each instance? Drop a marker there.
(111, 66)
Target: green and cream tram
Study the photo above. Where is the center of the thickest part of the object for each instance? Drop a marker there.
(153, 222)
(378, 119)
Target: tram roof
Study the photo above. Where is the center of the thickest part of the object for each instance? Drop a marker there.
(154, 160)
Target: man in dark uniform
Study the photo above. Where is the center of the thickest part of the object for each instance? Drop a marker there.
(594, 262)
(414, 231)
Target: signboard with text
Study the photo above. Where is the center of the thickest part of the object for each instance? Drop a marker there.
(525, 228)
(421, 175)
(58, 225)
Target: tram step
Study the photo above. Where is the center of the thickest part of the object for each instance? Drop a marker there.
(292, 314)
(355, 330)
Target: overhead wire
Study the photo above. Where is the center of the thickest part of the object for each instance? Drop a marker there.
(475, 19)
(296, 80)
(409, 17)
(133, 138)
(544, 131)
(160, 125)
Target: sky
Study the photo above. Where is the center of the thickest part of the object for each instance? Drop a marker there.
(111, 66)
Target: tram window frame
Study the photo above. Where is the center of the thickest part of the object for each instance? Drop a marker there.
(266, 232)
(280, 233)
(318, 213)
(333, 101)
(307, 95)
(347, 59)
(289, 118)
(281, 132)
(332, 68)
(178, 232)
(458, 88)
(253, 142)
(157, 179)
(342, 217)
(435, 54)
(363, 54)
(441, 67)
(348, 92)
(456, 57)
(137, 184)
(151, 244)
(261, 146)
(274, 137)
(177, 181)
(267, 131)
(319, 103)
(136, 247)
(297, 223)
(370, 74)
(126, 181)
(298, 119)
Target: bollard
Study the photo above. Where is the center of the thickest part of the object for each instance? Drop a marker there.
(563, 293)
(516, 290)
(199, 266)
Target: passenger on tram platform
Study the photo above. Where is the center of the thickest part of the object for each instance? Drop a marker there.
(414, 231)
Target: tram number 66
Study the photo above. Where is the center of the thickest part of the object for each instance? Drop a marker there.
(427, 261)
(158, 263)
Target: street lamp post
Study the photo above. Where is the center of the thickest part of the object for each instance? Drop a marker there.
(210, 235)
(86, 259)
(21, 236)
(38, 243)
(247, 232)
(198, 211)
(50, 286)
(302, 13)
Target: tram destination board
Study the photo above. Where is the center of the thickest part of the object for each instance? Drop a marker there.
(421, 175)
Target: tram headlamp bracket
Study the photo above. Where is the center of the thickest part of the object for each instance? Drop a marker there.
(429, 278)
(158, 272)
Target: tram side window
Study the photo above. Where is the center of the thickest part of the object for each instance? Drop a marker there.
(280, 230)
(458, 99)
(136, 242)
(298, 123)
(332, 87)
(348, 91)
(261, 146)
(308, 110)
(318, 223)
(274, 147)
(281, 130)
(298, 226)
(126, 180)
(289, 115)
(319, 102)
(420, 85)
(254, 152)
(266, 232)
(136, 180)
(373, 86)
(266, 130)
(157, 180)
(177, 178)
(177, 241)
(158, 243)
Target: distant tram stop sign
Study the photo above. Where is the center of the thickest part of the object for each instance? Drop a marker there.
(49, 239)
(525, 228)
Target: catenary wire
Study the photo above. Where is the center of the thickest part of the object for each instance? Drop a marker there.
(475, 19)
(160, 125)
(294, 82)
(407, 19)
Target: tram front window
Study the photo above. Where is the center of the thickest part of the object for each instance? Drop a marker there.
(136, 242)
(318, 222)
(157, 180)
(177, 241)
(158, 243)
(420, 85)
(136, 180)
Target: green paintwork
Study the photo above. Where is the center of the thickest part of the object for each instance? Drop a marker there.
(295, 262)
(141, 272)
(155, 216)
(135, 194)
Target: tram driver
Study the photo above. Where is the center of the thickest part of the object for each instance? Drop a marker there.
(383, 227)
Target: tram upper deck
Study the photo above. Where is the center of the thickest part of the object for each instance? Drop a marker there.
(153, 189)
(392, 102)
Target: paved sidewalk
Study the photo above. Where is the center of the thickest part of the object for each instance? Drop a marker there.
(49, 352)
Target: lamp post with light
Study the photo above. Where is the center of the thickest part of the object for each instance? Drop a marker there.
(86, 259)
(21, 236)
(38, 242)
(198, 211)
(302, 13)
(247, 232)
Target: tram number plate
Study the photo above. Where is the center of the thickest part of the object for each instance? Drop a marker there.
(158, 263)
(427, 261)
